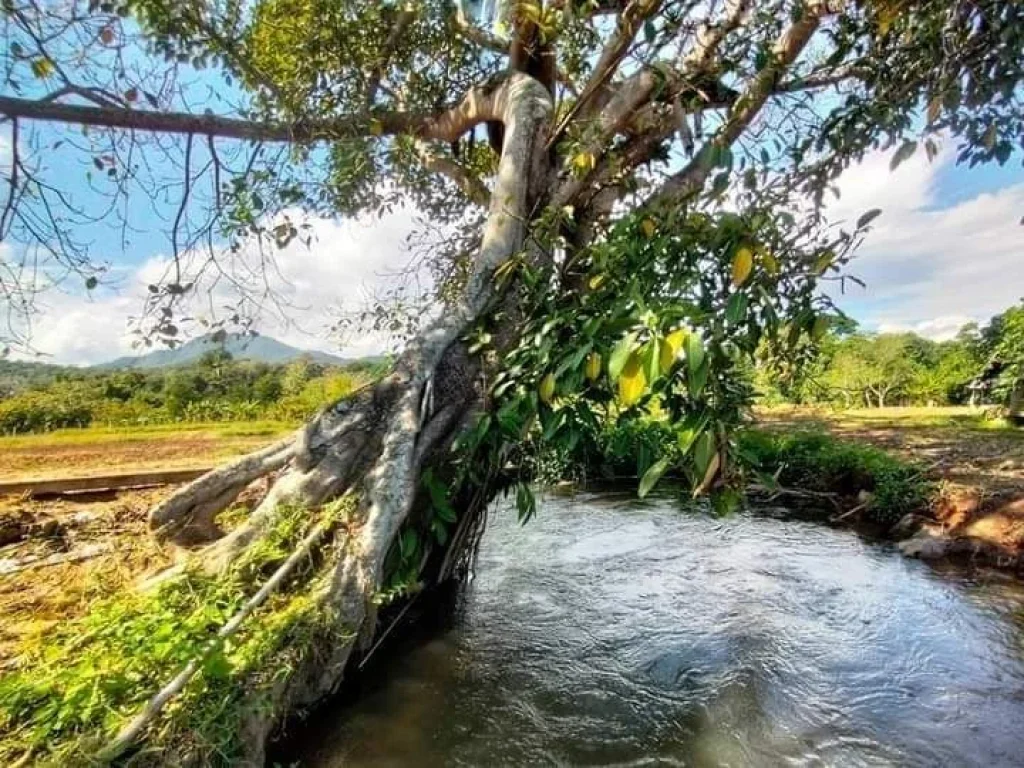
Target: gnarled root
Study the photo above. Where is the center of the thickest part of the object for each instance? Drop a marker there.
(378, 442)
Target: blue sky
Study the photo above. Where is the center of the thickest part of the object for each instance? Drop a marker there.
(948, 248)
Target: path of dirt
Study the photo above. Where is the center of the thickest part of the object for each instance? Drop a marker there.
(38, 457)
(58, 556)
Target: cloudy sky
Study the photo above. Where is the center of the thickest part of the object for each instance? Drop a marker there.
(948, 248)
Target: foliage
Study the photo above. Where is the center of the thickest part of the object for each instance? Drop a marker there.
(671, 310)
(817, 461)
(81, 683)
(1002, 343)
(210, 390)
(872, 370)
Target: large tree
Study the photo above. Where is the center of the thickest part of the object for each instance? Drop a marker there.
(629, 194)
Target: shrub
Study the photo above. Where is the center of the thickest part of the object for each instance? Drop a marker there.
(820, 462)
(43, 411)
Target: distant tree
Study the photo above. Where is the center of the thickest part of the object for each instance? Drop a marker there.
(874, 369)
(1007, 334)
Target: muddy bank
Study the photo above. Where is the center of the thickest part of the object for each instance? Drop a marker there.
(975, 506)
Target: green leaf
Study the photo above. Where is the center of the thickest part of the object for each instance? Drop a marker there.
(619, 356)
(91, 282)
(573, 361)
(651, 360)
(704, 450)
(736, 310)
(697, 380)
(526, 503)
(696, 364)
(652, 476)
(408, 544)
(649, 31)
(906, 149)
(694, 352)
(868, 217)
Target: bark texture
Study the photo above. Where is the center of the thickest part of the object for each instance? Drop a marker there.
(378, 441)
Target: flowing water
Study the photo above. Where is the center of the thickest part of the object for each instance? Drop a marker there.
(610, 631)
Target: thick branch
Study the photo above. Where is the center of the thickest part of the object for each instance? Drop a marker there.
(632, 21)
(637, 90)
(446, 125)
(787, 48)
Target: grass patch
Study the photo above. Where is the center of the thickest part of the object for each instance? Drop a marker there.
(944, 417)
(820, 462)
(78, 685)
(98, 435)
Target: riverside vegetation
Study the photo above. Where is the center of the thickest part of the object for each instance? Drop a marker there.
(624, 205)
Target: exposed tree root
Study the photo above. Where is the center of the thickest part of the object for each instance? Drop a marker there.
(376, 443)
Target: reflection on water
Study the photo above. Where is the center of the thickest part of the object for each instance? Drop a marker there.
(615, 632)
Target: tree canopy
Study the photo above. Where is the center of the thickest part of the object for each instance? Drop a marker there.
(339, 108)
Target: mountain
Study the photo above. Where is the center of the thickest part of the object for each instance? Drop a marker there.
(263, 349)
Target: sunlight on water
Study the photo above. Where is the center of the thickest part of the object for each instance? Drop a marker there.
(615, 632)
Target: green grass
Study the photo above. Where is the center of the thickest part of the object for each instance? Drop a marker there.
(79, 685)
(102, 434)
(820, 462)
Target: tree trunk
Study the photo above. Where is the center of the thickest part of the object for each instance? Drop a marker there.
(377, 442)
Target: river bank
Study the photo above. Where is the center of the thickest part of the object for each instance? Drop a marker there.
(65, 557)
(974, 465)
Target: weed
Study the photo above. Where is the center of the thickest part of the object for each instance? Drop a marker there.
(78, 686)
(820, 462)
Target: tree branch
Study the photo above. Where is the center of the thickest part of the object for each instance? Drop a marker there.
(469, 184)
(633, 18)
(787, 48)
(446, 125)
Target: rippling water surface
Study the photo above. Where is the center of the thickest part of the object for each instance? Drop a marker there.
(615, 632)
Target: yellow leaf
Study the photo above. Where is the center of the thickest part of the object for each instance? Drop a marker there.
(886, 16)
(546, 390)
(42, 67)
(596, 282)
(632, 382)
(649, 227)
(670, 348)
(376, 127)
(584, 161)
(742, 264)
(593, 369)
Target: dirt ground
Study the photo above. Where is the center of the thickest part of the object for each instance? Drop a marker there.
(99, 451)
(57, 556)
(978, 461)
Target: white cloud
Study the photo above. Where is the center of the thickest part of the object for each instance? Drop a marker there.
(347, 262)
(940, 329)
(930, 268)
(927, 268)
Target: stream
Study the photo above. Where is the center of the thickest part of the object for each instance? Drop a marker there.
(613, 631)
